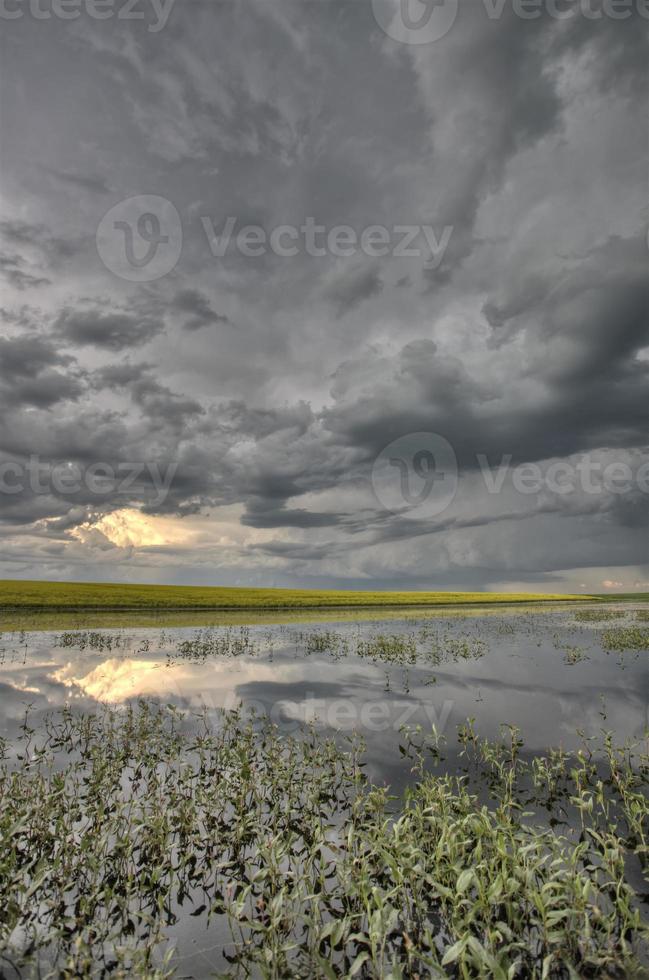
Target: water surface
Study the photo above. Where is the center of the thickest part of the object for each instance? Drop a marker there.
(549, 671)
(546, 671)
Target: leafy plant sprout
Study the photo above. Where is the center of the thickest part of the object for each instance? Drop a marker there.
(112, 825)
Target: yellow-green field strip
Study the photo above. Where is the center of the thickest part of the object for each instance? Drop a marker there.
(79, 596)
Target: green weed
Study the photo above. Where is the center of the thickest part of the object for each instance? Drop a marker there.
(114, 825)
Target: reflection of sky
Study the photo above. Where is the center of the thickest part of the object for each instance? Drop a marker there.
(116, 680)
(521, 680)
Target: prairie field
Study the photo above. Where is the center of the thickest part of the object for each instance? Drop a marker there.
(33, 595)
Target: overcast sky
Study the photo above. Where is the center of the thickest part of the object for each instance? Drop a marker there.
(487, 298)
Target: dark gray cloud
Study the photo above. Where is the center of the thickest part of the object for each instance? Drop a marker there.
(12, 267)
(352, 287)
(109, 330)
(40, 238)
(89, 182)
(23, 316)
(198, 309)
(42, 391)
(260, 514)
(163, 405)
(30, 375)
(270, 383)
(120, 375)
(27, 356)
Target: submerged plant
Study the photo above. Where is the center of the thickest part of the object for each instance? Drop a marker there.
(423, 648)
(208, 643)
(113, 826)
(626, 638)
(574, 655)
(598, 615)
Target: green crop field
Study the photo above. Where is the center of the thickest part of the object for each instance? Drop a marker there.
(30, 595)
(623, 597)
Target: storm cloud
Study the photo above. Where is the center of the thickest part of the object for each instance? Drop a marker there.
(265, 373)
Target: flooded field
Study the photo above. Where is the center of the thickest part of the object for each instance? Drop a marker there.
(547, 671)
(526, 708)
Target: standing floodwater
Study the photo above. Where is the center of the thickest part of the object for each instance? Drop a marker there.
(183, 797)
(549, 672)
